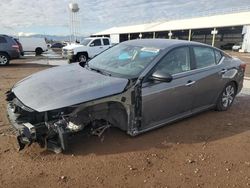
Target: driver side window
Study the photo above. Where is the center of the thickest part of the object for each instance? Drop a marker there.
(176, 61)
(96, 42)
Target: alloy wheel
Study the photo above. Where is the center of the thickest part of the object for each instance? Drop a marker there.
(3, 60)
(228, 96)
(82, 59)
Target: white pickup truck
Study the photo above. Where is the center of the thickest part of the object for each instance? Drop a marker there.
(87, 49)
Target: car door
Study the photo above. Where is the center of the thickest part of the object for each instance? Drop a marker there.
(207, 76)
(162, 101)
(95, 47)
(106, 44)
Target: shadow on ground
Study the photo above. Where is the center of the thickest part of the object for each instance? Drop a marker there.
(202, 128)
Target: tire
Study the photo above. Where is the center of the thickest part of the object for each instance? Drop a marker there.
(227, 97)
(82, 57)
(39, 51)
(4, 59)
(70, 61)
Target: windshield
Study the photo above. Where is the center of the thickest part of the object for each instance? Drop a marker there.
(85, 42)
(124, 60)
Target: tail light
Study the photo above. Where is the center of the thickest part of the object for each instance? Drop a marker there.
(243, 66)
(15, 47)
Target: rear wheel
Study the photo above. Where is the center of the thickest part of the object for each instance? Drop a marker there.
(39, 51)
(4, 59)
(227, 97)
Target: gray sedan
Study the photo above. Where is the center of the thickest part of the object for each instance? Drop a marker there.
(136, 86)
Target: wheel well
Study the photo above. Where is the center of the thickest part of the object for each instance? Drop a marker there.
(85, 53)
(6, 53)
(235, 83)
(113, 112)
(38, 48)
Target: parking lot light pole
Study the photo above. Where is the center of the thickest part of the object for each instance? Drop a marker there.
(214, 32)
(189, 35)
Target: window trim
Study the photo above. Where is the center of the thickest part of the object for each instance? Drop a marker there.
(201, 46)
(190, 59)
(5, 40)
(94, 41)
(104, 43)
(175, 76)
(220, 55)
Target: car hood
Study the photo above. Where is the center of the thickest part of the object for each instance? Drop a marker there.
(64, 86)
(73, 46)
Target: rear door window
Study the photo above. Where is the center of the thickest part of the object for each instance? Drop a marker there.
(204, 56)
(106, 42)
(3, 40)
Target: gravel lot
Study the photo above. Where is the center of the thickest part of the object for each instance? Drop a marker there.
(207, 150)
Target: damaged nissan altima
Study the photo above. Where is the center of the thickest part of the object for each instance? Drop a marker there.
(136, 86)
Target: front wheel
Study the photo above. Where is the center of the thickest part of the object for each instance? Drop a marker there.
(227, 97)
(82, 58)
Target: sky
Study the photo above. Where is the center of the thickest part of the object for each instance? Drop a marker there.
(51, 17)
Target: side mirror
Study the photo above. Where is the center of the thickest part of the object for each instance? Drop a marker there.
(92, 44)
(161, 76)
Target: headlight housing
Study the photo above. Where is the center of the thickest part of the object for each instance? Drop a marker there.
(70, 51)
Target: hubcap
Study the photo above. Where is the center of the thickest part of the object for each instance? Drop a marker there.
(3, 60)
(228, 96)
(82, 58)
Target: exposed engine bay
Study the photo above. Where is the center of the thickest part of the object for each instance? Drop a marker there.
(51, 129)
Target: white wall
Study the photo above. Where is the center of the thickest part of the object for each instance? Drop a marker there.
(246, 40)
(115, 38)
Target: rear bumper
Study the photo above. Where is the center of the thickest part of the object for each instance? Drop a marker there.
(14, 54)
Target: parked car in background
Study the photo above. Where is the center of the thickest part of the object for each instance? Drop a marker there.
(57, 45)
(87, 49)
(237, 46)
(227, 46)
(37, 45)
(20, 46)
(9, 49)
(136, 86)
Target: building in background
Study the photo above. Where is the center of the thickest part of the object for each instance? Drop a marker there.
(219, 30)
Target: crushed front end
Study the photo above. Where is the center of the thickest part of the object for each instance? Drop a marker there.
(48, 129)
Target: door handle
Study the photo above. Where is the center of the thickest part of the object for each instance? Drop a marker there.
(223, 71)
(101, 47)
(190, 83)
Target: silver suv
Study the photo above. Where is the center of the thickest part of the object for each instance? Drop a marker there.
(9, 49)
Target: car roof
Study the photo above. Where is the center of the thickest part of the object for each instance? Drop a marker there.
(2, 35)
(97, 38)
(160, 43)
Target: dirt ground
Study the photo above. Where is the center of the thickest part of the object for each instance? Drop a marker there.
(211, 149)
